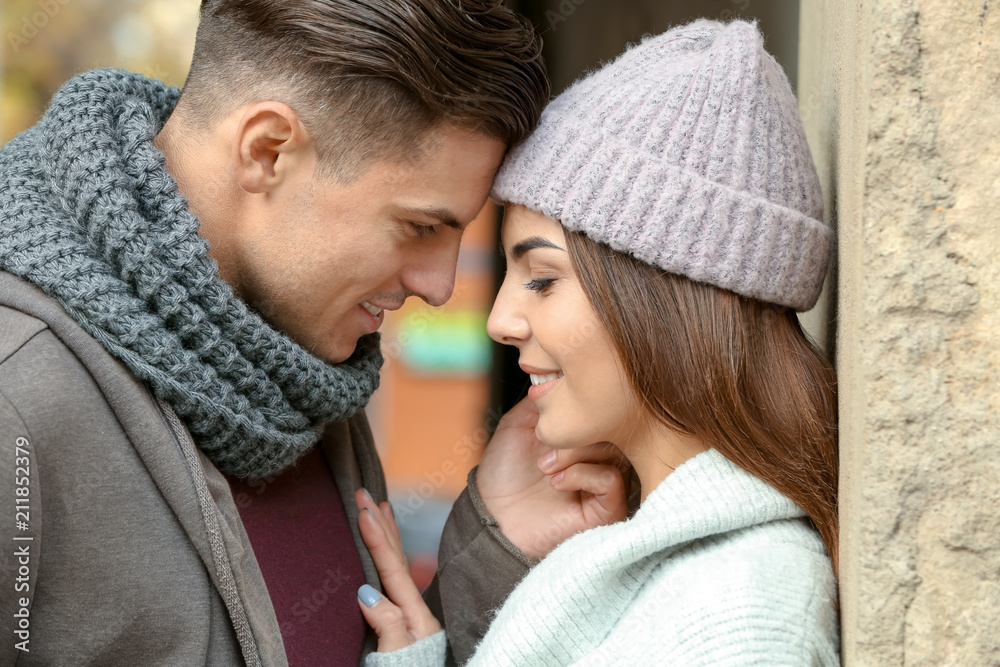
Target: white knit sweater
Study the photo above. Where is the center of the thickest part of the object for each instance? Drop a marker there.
(716, 568)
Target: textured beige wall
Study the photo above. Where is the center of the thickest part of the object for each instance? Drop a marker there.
(905, 123)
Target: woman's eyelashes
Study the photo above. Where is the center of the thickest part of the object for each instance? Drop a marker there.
(539, 284)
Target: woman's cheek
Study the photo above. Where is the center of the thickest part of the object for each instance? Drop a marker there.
(564, 423)
(551, 428)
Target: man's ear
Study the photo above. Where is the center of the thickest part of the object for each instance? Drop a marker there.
(270, 142)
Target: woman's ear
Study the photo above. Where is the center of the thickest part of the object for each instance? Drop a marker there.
(270, 142)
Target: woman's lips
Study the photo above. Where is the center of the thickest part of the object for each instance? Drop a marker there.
(542, 384)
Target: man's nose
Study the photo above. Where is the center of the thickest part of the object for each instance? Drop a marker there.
(433, 280)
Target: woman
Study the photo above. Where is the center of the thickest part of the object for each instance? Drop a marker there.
(662, 225)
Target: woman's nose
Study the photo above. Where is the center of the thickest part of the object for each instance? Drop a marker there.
(506, 323)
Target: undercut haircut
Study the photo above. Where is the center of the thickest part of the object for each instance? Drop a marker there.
(370, 80)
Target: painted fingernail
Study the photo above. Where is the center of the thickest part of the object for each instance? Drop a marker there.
(557, 478)
(547, 460)
(369, 596)
(370, 513)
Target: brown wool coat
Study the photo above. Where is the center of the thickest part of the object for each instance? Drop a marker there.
(137, 554)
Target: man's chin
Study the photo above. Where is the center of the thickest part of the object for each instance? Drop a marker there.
(336, 353)
(330, 350)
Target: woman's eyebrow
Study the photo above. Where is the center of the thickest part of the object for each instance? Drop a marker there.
(529, 244)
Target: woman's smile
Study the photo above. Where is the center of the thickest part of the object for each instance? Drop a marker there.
(542, 382)
(577, 382)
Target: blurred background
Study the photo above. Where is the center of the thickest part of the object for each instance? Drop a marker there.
(445, 384)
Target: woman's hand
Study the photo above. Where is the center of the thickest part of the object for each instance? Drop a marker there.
(401, 618)
(541, 496)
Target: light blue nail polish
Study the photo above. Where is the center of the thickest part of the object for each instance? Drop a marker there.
(368, 595)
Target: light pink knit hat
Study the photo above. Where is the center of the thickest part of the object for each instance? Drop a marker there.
(687, 152)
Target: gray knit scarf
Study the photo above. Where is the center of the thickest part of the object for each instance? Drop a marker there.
(89, 214)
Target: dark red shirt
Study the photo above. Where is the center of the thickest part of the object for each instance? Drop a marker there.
(300, 535)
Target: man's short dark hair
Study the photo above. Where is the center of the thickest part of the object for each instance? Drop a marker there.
(370, 78)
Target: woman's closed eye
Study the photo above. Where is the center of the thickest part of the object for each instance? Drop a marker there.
(539, 284)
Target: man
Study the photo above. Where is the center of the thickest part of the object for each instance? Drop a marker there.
(189, 292)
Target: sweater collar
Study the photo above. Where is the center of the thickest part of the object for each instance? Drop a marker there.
(591, 579)
(707, 495)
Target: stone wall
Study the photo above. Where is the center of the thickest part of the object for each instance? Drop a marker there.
(902, 106)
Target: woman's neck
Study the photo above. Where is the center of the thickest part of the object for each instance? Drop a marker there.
(657, 451)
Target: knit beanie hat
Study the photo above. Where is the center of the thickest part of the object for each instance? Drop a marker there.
(687, 152)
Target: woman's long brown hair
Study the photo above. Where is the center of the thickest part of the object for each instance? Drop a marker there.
(737, 373)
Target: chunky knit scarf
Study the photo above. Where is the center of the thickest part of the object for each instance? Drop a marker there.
(89, 214)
